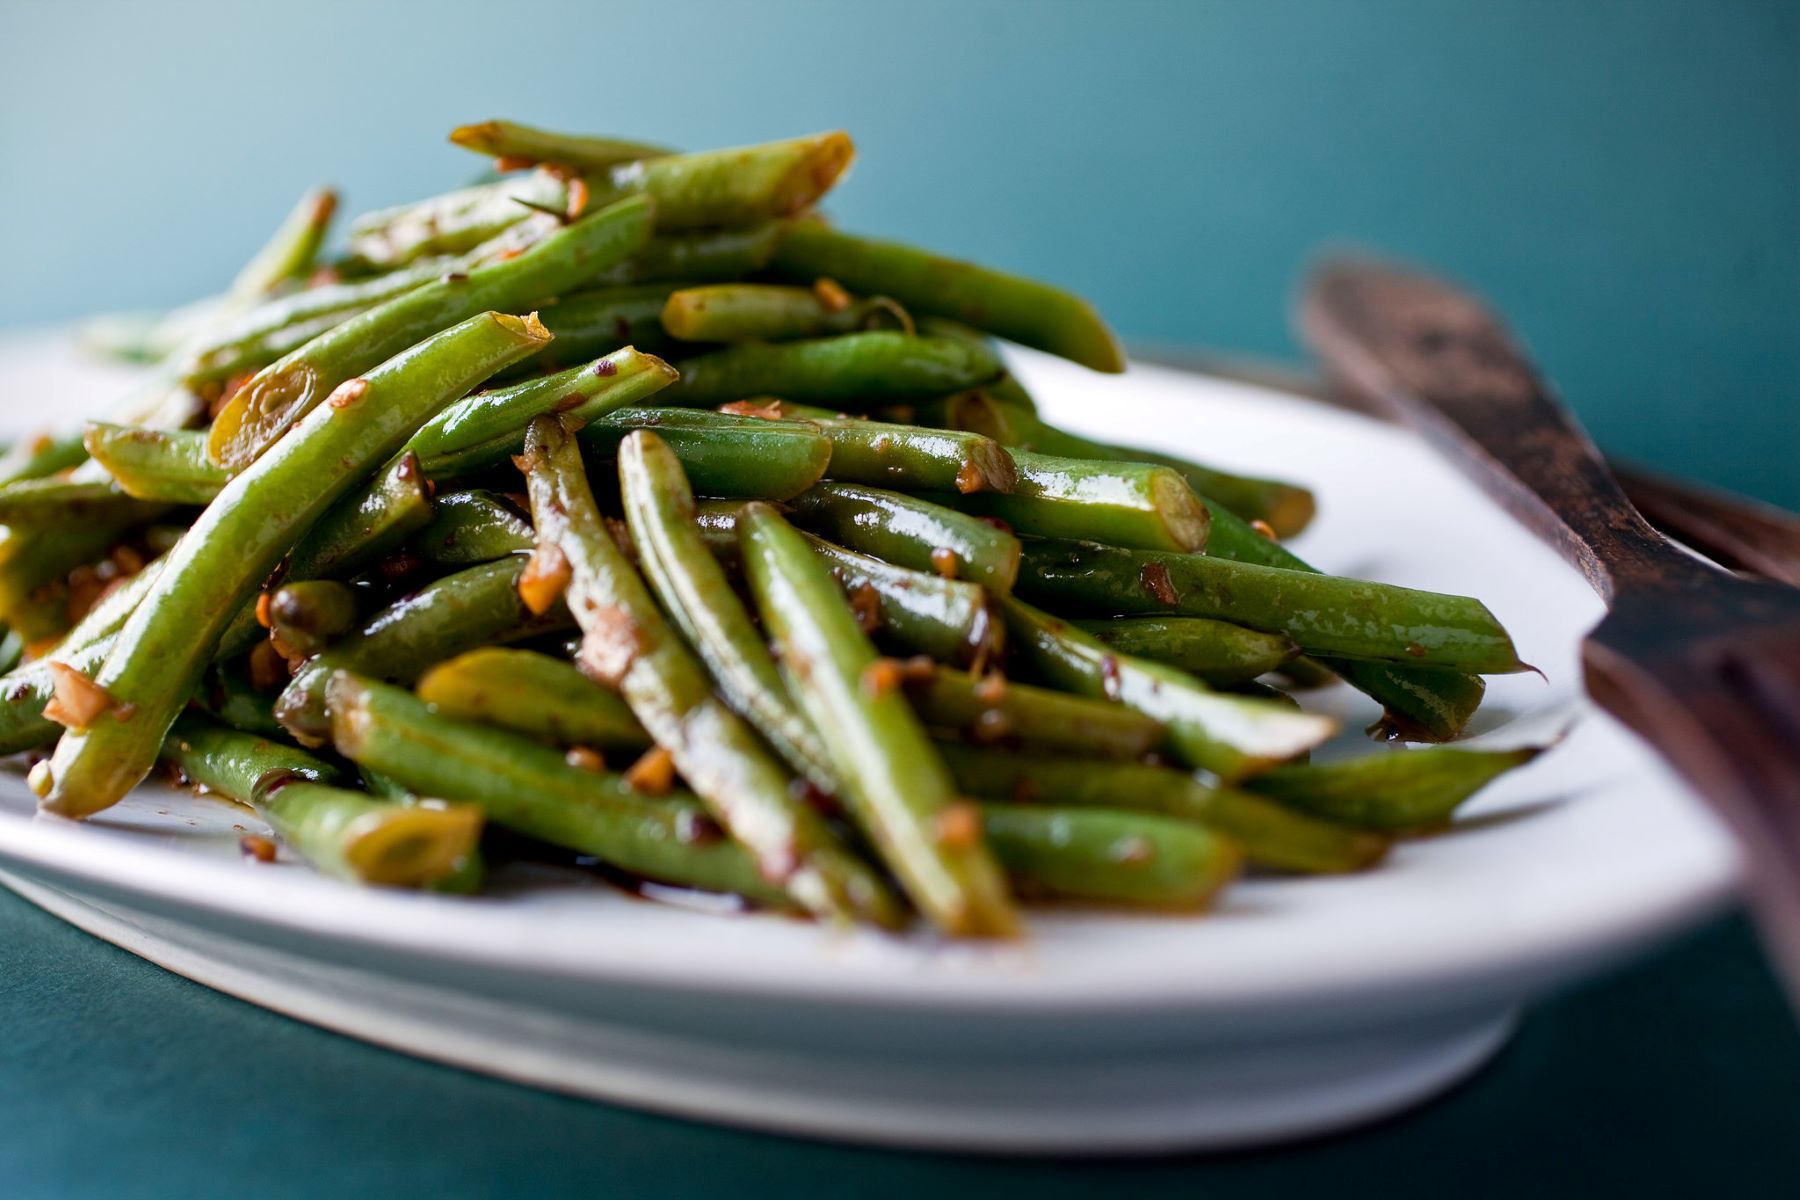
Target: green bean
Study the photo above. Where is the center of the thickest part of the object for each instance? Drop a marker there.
(468, 875)
(12, 649)
(238, 540)
(1271, 834)
(49, 503)
(347, 834)
(743, 312)
(1022, 310)
(533, 694)
(26, 690)
(723, 455)
(307, 615)
(854, 369)
(907, 458)
(744, 185)
(1230, 736)
(156, 464)
(994, 710)
(486, 429)
(1398, 791)
(701, 256)
(1123, 504)
(1217, 651)
(516, 143)
(284, 392)
(896, 786)
(693, 590)
(950, 620)
(911, 533)
(41, 456)
(529, 788)
(453, 222)
(627, 645)
(588, 324)
(441, 620)
(1421, 703)
(1111, 857)
(473, 527)
(289, 253)
(1306, 674)
(1324, 614)
(1285, 507)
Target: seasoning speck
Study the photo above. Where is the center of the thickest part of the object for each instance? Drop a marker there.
(254, 846)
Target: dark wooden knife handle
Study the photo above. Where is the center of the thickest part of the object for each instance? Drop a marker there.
(1448, 367)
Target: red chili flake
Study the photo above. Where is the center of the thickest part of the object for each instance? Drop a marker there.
(507, 163)
(969, 478)
(880, 678)
(865, 602)
(944, 562)
(606, 367)
(997, 523)
(409, 468)
(1155, 578)
(830, 294)
(958, 827)
(653, 774)
(693, 828)
(918, 669)
(508, 254)
(1263, 527)
(1416, 650)
(264, 602)
(454, 277)
(585, 758)
(256, 847)
(348, 393)
(124, 712)
(992, 688)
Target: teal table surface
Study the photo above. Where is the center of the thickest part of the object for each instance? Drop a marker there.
(1679, 1076)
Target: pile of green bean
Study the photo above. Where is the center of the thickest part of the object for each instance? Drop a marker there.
(621, 504)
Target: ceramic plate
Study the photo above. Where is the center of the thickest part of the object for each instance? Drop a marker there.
(1300, 1005)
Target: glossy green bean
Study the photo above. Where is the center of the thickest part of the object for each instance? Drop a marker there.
(908, 458)
(896, 787)
(444, 618)
(40, 456)
(744, 312)
(722, 455)
(512, 141)
(694, 591)
(1230, 736)
(52, 503)
(998, 711)
(288, 255)
(1022, 310)
(699, 256)
(27, 689)
(1122, 504)
(473, 527)
(284, 392)
(1324, 614)
(1106, 856)
(628, 645)
(487, 429)
(1285, 507)
(588, 324)
(911, 532)
(859, 370)
(451, 223)
(533, 694)
(1397, 791)
(307, 615)
(1217, 651)
(528, 787)
(238, 540)
(949, 620)
(227, 696)
(170, 465)
(1271, 834)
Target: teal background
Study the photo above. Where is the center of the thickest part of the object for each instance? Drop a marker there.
(1621, 176)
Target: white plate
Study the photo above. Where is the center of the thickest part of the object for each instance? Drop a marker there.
(1300, 1005)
